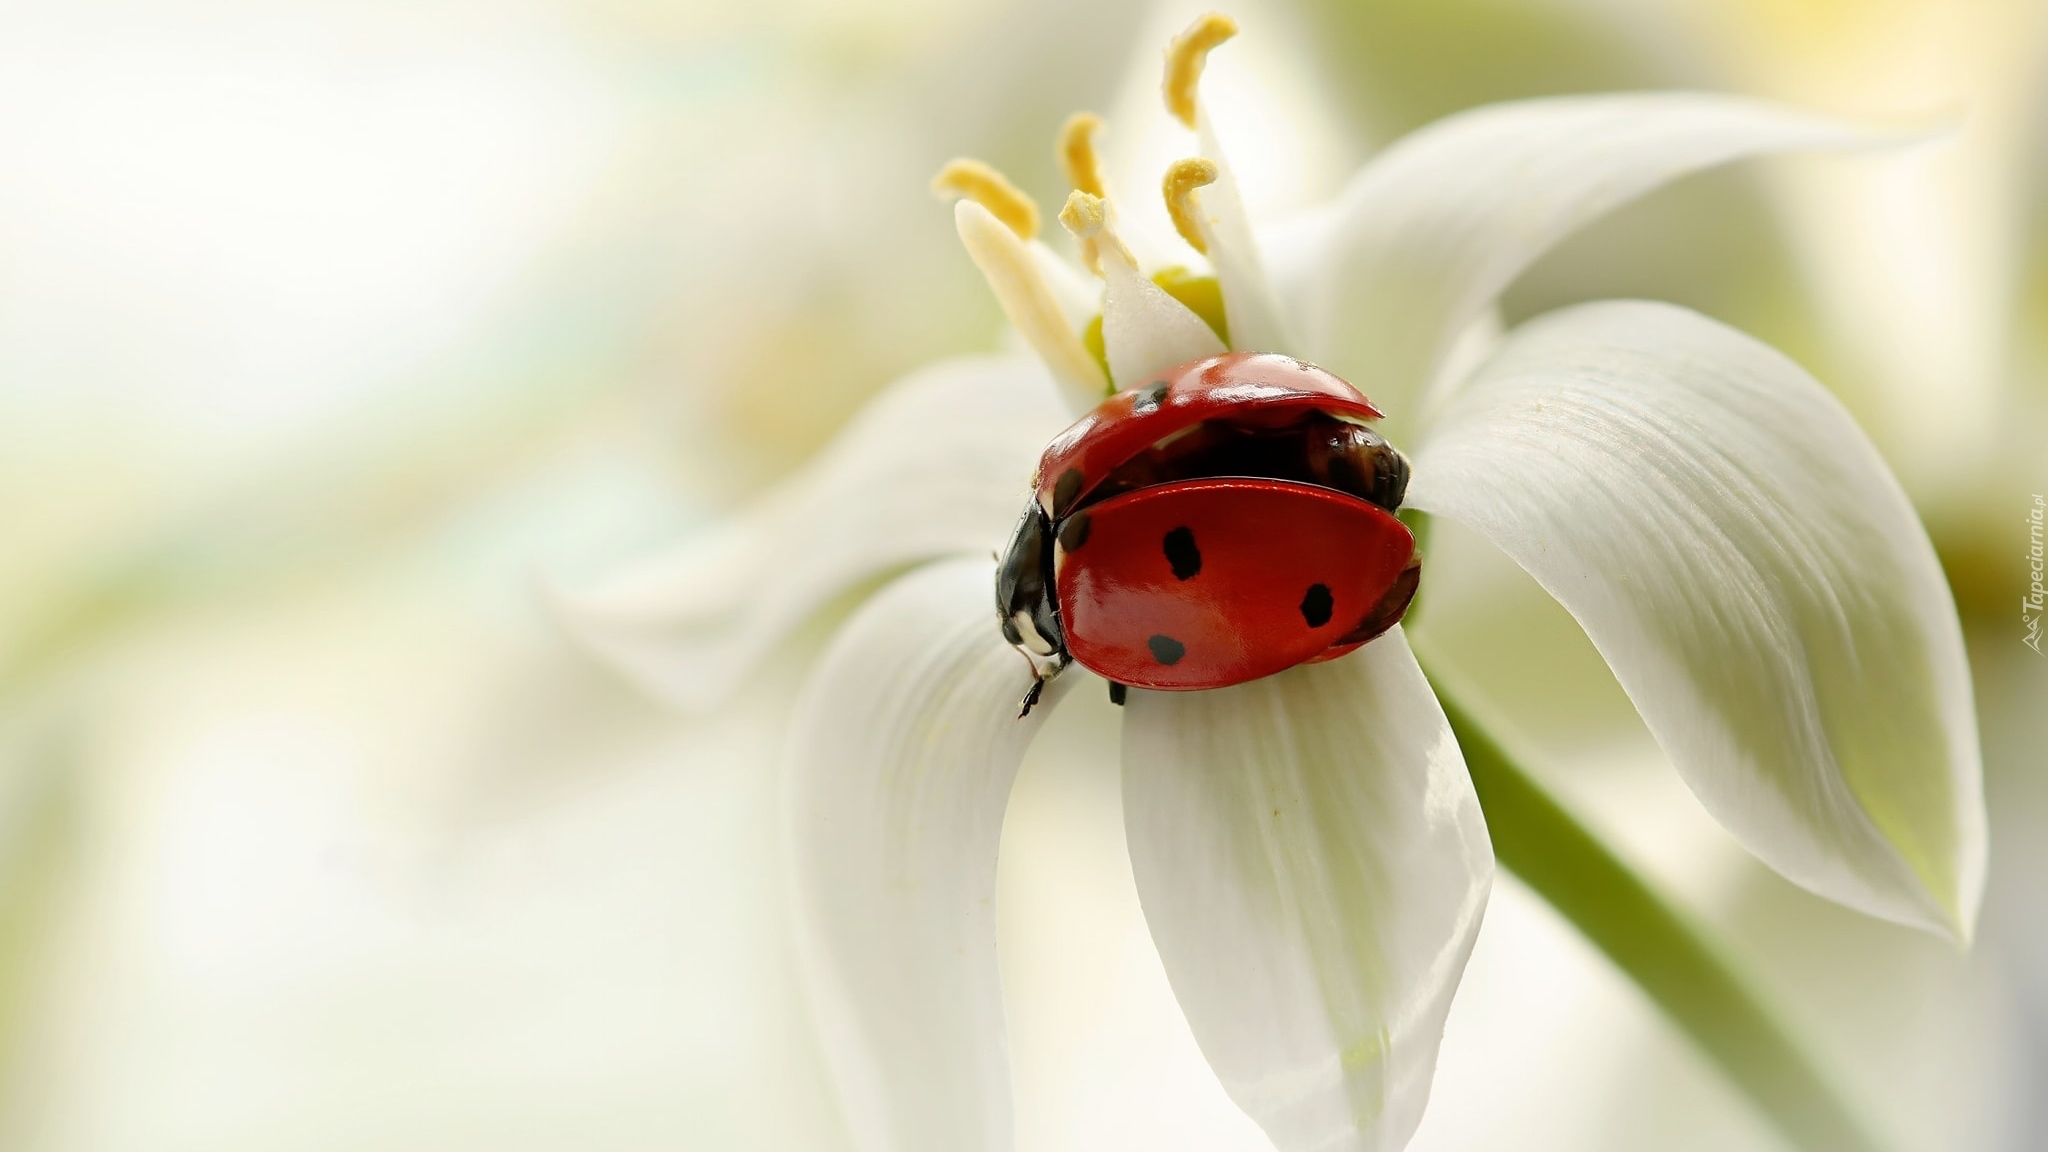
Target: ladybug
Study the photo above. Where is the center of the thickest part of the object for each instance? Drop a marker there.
(1229, 520)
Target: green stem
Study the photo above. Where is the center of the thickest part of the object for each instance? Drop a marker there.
(1664, 950)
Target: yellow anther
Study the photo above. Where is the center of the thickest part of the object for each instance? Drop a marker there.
(1087, 217)
(981, 183)
(1183, 177)
(1083, 217)
(1077, 152)
(1084, 214)
(1184, 60)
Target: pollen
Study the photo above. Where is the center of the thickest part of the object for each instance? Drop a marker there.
(980, 182)
(1184, 60)
(1077, 153)
(1086, 216)
(1183, 178)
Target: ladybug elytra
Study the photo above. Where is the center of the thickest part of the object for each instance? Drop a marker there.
(1228, 521)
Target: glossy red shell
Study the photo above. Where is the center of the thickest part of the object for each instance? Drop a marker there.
(1248, 388)
(1212, 582)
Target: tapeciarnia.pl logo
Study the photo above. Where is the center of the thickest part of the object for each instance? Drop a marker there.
(2037, 598)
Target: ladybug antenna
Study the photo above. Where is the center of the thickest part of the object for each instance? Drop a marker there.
(1184, 60)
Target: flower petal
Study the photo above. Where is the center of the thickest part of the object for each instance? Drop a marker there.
(901, 759)
(1144, 330)
(1028, 287)
(1313, 865)
(1427, 234)
(938, 465)
(1739, 553)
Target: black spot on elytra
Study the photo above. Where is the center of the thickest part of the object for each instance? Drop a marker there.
(1183, 555)
(1074, 532)
(1151, 397)
(1064, 490)
(1317, 605)
(1166, 649)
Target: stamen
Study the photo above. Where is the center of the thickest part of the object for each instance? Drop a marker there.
(1087, 217)
(1083, 214)
(981, 183)
(1077, 153)
(1183, 177)
(1144, 330)
(1184, 60)
(1011, 266)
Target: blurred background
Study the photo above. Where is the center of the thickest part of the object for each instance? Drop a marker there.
(327, 329)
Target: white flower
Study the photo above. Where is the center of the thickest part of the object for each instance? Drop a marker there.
(1309, 850)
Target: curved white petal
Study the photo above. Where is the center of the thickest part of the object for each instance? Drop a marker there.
(1313, 865)
(1022, 276)
(938, 465)
(1248, 300)
(1428, 233)
(901, 758)
(1739, 553)
(1144, 330)
(1080, 299)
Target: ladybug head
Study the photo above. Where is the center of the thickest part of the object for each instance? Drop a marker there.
(1024, 583)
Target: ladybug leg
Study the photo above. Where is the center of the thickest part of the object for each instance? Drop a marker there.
(1042, 673)
(1030, 700)
(1117, 693)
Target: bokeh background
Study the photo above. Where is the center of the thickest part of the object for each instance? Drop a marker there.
(329, 330)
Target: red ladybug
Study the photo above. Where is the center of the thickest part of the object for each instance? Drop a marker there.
(1230, 520)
